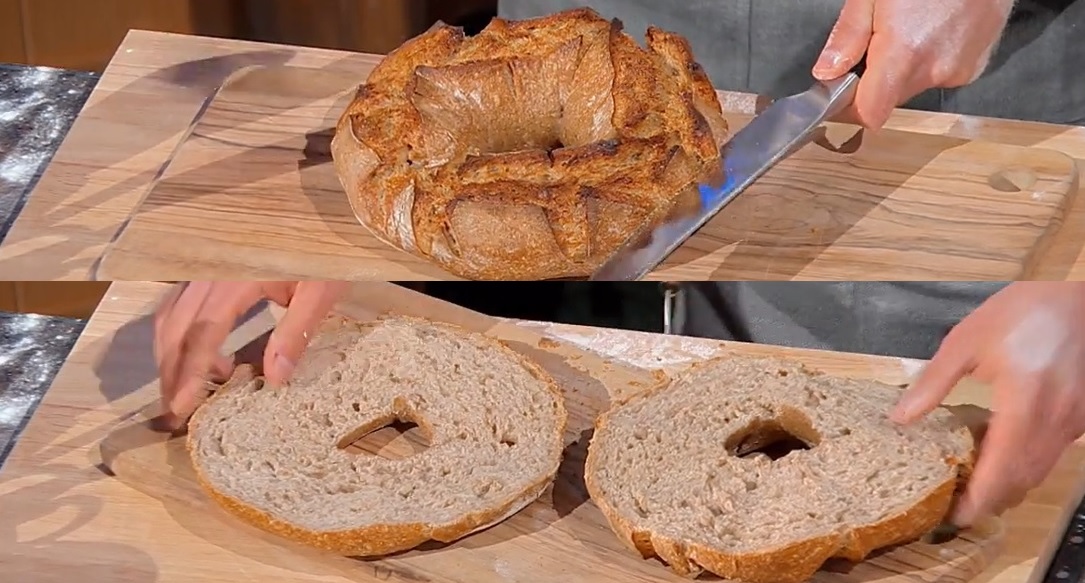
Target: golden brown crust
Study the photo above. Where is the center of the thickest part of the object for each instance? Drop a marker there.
(793, 563)
(384, 539)
(531, 150)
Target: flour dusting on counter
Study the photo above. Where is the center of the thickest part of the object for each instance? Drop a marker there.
(505, 571)
(32, 349)
(640, 349)
(14, 408)
(37, 106)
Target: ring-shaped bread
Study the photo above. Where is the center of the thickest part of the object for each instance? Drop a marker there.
(275, 457)
(687, 472)
(532, 150)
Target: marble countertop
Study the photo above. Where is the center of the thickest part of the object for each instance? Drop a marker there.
(37, 107)
(32, 350)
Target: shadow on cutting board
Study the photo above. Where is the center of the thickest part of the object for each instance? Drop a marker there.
(40, 522)
(33, 555)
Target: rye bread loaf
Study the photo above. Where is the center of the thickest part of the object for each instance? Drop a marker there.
(683, 472)
(532, 150)
(274, 456)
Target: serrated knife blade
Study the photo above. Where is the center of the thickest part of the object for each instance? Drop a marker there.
(773, 135)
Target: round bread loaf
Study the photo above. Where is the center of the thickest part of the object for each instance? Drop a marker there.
(531, 150)
(759, 471)
(274, 456)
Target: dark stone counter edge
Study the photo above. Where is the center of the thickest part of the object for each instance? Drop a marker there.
(32, 350)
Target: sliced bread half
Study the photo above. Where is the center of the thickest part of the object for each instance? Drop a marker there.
(274, 456)
(687, 472)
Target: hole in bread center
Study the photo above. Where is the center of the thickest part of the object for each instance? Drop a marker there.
(517, 142)
(490, 108)
(773, 438)
(391, 438)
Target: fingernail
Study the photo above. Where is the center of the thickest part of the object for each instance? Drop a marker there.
(826, 64)
(284, 367)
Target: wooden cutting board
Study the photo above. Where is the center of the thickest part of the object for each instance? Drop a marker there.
(561, 538)
(251, 193)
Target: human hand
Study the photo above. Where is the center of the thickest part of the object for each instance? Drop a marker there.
(910, 46)
(1028, 342)
(193, 320)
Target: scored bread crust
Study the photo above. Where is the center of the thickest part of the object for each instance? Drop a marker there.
(532, 150)
(791, 563)
(382, 539)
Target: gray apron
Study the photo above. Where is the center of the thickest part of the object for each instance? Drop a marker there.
(902, 319)
(768, 47)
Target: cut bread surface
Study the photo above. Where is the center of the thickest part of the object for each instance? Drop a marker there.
(688, 473)
(275, 455)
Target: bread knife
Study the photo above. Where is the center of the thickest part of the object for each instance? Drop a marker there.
(776, 133)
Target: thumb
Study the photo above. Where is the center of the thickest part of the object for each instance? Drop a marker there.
(952, 362)
(310, 303)
(848, 40)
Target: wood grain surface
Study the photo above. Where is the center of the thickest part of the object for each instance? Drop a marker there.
(157, 82)
(252, 193)
(64, 517)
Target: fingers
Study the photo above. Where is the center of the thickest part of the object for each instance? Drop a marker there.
(1010, 455)
(1058, 420)
(161, 316)
(174, 326)
(173, 331)
(954, 359)
(886, 83)
(280, 292)
(198, 353)
(848, 116)
(223, 369)
(161, 322)
(310, 303)
(847, 41)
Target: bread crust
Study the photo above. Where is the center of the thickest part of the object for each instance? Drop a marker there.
(383, 539)
(793, 563)
(472, 184)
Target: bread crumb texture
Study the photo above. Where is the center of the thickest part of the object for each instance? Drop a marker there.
(531, 150)
(759, 471)
(275, 456)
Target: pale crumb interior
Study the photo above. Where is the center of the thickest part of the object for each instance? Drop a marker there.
(495, 431)
(676, 464)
